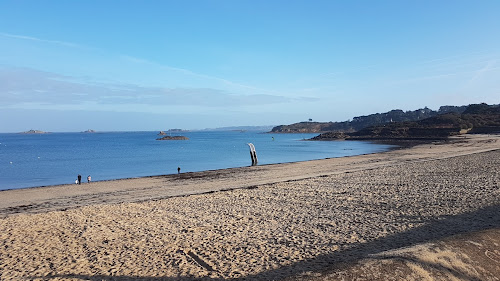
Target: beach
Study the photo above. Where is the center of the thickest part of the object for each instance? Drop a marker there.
(429, 212)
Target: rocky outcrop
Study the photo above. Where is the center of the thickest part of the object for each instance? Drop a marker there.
(34, 132)
(173, 138)
(162, 133)
(331, 136)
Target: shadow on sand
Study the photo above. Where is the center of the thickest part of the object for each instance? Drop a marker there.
(482, 219)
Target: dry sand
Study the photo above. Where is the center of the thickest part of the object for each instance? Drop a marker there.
(431, 212)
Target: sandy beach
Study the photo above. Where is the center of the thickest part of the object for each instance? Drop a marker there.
(430, 212)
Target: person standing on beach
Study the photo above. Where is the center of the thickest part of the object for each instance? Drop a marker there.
(178, 170)
(88, 179)
(79, 179)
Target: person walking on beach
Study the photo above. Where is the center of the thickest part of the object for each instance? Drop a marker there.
(88, 179)
(79, 179)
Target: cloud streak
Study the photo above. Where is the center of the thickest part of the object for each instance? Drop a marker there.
(480, 72)
(21, 86)
(23, 37)
(195, 74)
(235, 86)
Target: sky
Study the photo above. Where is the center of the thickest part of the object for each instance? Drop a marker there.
(69, 66)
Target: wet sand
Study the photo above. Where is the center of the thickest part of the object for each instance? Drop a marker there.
(431, 212)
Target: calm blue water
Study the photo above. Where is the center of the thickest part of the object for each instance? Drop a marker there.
(57, 158)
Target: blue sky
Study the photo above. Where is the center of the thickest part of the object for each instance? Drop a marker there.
(155, 65)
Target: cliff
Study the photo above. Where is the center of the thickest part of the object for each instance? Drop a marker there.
(361, 122)
(481, 118)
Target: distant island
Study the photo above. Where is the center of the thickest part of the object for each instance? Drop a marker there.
(34, 132)
(173, 138)
(89, 131)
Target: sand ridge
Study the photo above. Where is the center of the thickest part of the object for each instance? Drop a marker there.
(350, 224)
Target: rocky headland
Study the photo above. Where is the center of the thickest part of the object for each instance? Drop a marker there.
(360, 122)
(479, 118)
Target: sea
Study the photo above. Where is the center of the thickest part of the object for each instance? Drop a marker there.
(33, 160)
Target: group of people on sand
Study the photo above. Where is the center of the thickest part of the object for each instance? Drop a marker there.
(79, 179)
(89, 178)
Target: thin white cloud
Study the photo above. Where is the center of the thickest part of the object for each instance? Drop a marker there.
(459, 65)
(230, 85)
(454, 58)
(477, 73)
(20, 86)
(147, 62)
(23, 37)
(424, 78)
(348, 70)
(195, 74)
(480, 72)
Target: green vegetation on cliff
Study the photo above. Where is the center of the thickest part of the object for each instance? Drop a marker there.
(361, 122)
(476, 118)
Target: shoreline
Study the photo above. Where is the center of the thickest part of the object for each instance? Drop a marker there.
(424, 213)
(52, 167)
(397, 144)
(38, 199)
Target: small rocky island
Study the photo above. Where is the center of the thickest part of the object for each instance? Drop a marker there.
(34, 132)
(173, 138)
(89, 131)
